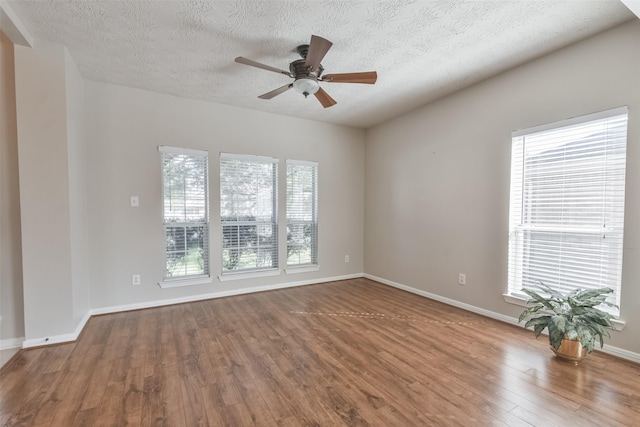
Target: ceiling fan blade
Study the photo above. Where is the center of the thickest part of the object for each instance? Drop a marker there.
(276, 92)
(324, 98)
(251, 63)
(318, 48)
(368, 77)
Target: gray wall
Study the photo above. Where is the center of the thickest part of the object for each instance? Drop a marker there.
(11, 299)
(124, 128)
(431, 185)
(77, 155)
(41, 100)
(85, 147)
(437, 179)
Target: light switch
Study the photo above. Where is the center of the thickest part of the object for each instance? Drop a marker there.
(134, 201)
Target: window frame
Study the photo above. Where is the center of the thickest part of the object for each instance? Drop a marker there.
(187, 279)
(517, 201)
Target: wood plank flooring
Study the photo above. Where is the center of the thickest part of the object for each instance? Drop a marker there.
(353, 353)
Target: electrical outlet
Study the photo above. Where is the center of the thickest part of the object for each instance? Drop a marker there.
(135, 279)
(346, 258)
(462, 279)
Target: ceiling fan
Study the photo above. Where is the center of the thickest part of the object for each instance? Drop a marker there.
(307, 72)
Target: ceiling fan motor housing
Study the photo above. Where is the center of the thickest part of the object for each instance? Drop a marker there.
(300, 71)
(302, 50)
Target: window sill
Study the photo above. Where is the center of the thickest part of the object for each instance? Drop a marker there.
(521, 300)
(302, 269)
(248, 275)
(516, 299)
(177, 283)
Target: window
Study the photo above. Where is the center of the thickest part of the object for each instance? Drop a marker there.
(185, 211)
(567, 204)
(248, 209)
(302, 213)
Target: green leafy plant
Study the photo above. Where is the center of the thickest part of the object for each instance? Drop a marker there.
(574, 314)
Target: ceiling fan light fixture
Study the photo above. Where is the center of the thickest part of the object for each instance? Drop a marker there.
(306, 86)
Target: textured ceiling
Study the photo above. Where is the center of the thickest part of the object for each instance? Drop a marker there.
(421, 50)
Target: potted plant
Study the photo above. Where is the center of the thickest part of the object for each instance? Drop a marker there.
(572, 320)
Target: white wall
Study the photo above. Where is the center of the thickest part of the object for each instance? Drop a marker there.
(437, 179)
(77, 154)
(41, 100)
(124, 128)
(11, 303)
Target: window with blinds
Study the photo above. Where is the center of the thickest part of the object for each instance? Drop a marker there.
(302, 213)
(248, 209)
(185, 211)
(566, 217)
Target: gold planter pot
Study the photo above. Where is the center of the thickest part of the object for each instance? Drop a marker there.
(570, 351)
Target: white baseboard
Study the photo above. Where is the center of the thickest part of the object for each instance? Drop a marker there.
(9, 343)
(221, 294)
(615, 351)
(57, 339)
(17, 342)
(448, 301)
(620, 352)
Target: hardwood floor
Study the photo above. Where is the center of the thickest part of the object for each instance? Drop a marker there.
(343, 353)
(6, 355)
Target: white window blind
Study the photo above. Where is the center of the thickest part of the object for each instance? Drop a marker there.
(302, 213)
(567, 204)
(185, 196)
(248, 209)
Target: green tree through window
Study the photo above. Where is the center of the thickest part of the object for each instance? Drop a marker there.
(185, 212)
(302, 213)
(248, 211)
